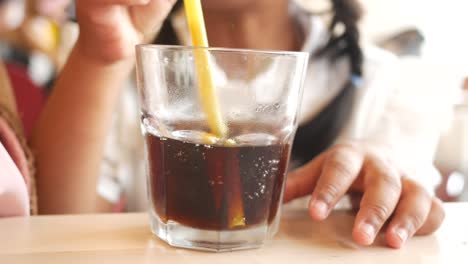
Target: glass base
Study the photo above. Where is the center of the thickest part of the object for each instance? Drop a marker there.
(181, 236)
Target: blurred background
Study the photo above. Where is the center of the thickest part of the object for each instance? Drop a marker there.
(36, 37)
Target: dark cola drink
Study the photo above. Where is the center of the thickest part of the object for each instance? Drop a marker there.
(215, 186)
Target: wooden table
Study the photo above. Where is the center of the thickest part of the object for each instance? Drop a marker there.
(125, 238)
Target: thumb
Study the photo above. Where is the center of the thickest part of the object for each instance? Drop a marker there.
(302, 181)
(148, 18)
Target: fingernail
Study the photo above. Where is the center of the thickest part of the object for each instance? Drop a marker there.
(402, 234)
(368, 229)
(320, 208)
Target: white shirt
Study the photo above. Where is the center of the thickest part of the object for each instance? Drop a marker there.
(397, 104)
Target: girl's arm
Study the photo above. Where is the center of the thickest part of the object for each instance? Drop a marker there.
(69, 138)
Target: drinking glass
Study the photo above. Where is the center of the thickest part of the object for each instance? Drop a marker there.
(211, 192)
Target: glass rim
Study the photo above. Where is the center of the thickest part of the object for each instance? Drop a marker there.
(220, 49)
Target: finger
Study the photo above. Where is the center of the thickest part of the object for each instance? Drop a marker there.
(410, 215)
(301, 182)
(434, 220)
(382, 189)
(340, 169)
(149, 18)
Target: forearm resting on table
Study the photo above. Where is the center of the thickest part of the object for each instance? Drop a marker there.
(69, 138)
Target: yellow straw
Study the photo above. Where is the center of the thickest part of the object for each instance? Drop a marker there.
(206, 86)
(209, 101)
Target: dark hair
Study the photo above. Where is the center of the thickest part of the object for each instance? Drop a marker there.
(344, 34)
(315, 136)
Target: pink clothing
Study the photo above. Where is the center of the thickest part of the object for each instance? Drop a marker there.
(14, 174)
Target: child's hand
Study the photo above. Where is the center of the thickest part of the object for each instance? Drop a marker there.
(387, 194)
(110, 29)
